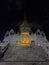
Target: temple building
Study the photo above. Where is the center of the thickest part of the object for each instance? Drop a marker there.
(25, 39)
(36, 41)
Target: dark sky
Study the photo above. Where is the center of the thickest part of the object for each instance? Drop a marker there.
(12, 12)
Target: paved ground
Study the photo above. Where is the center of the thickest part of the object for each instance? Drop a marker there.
(16, 55)
(24, 63)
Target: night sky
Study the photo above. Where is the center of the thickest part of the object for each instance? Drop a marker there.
(12, 12)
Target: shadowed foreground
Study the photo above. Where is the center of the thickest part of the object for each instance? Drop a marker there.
(18, 55)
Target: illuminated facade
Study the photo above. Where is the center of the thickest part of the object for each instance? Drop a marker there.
(25, 37)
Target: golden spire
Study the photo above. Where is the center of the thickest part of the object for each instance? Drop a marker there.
(25, 26)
